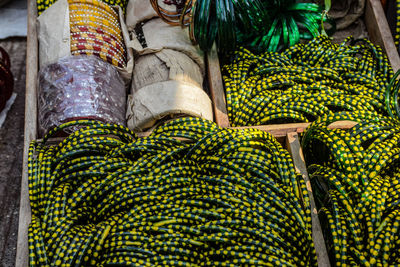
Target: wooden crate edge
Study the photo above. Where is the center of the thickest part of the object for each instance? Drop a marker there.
(294, 148)
(379, 31)
(30, 131)
(216, 85)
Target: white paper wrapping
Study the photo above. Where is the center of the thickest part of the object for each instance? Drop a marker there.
(156, 101)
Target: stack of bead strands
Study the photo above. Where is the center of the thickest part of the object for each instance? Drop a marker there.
(305, 82)
(190, 194)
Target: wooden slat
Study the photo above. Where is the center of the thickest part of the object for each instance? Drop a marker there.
(217, 88)
(293, 145)
(379, 31)
(281, 130)
(344, 125)
(29, 134)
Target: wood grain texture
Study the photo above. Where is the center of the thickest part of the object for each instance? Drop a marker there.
(281, 130)
(217, 90)
(30, 133)
(294, 148)
(379, 31)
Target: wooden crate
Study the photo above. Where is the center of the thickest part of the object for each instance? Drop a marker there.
(288, 136)
(379, 34)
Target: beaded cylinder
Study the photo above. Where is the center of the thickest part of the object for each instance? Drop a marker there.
(95, 30)
(80, 87)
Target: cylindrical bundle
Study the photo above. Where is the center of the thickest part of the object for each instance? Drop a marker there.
(159, 35)
(80, 87)
(347, 13)
(257, 24)
(165, 65)
(167, 78)
(6, 78)
(95, 30)
(190, 194)
(166, 100)
(355, 175)
(85, 27)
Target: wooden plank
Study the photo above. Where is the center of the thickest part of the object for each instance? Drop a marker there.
(379, 31)
(217, 90)
(293, 145)
(30, 132)
(281, 130)
(342, 125)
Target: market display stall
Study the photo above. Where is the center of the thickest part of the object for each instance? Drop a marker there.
(123, 164)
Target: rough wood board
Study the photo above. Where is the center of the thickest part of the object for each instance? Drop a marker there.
(281, 130)
(293, 145)
(379, 31)
(217, 90)
(30, 134)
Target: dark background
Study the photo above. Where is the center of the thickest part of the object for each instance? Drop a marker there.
(11, 146)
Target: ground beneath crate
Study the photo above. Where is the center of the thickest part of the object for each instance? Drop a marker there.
(11, 146)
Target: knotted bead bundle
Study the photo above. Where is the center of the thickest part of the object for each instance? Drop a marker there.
(190, 194)
(355, 176)
(305, 82)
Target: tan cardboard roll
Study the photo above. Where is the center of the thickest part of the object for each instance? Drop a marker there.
(156, 101)
(163, 66)
(160, 35)
(54, 37)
